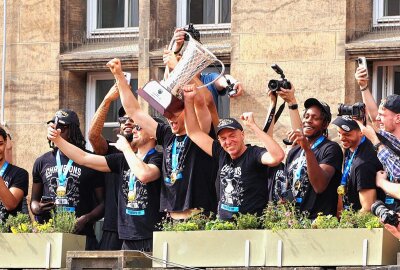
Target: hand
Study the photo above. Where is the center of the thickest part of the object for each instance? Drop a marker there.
(179, 37)
(393, 230)
(81, 223)
(287, 95)
(170, 59)
(190, 92)
(121, 144)
(361, 76)
(297, 137)
(380, 178)
(112, 94)
(272, 96)
(52, 133)
(238, 86)
(368, 132)
(115, 67)
(248, 119)
(45, 207)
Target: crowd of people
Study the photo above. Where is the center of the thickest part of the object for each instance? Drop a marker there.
(195, 162)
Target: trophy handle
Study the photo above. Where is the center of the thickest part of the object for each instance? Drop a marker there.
(219, 76)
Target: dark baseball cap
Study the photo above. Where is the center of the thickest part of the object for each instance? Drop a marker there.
(121, 112)
(65, 117)
(230, 123)
(392, 103)
(346, 123)
(325, 107)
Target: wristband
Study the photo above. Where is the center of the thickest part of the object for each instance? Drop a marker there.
(376, 146)
(364, 88)
(293, 107)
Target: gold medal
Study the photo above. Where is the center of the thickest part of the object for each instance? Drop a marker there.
(297, 185)
(131, 196)
(61, 190)
(173, 177)
(341, 190)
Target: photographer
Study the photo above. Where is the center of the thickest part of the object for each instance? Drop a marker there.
(387, 143)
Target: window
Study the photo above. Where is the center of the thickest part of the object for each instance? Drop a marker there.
(107, 17)
(98, 85)
(386, 79)
(386, 12)
(207, 12)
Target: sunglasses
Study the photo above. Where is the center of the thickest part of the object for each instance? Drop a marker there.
(124, 119)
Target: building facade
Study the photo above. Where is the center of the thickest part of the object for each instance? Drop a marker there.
(57, 50)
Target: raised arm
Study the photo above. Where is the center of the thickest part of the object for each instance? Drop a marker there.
(275, 154)
(130, 103)
(144, 172)
(97, 140)
(361, 76)
(288, 96)
(198, 136)
(79, 156)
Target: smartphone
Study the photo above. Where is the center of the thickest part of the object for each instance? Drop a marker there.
(128, 77)
(46, 199)
(362, 61)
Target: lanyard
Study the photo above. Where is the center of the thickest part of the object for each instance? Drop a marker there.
(62, 175)
(175, 154)
(3, 168)
(132, 177)
(347, 164)
(301, 161)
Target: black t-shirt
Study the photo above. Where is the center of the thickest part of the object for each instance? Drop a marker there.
(196, 188)
(243, 187)
(138, 222)
(111, 186)
(328, 153)
(81, 185)
(18, 178)
(362, 174)
(276, 183)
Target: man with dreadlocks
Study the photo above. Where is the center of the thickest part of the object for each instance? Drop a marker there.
(314, 164)
(61, 184)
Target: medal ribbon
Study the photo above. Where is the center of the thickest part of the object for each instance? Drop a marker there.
(132, 177)
(3, 168)
(302, 161)
(347, 164)
(62, 175)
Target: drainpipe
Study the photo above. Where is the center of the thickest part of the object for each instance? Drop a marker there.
(3, 65)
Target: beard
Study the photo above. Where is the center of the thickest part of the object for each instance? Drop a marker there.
(128, 137)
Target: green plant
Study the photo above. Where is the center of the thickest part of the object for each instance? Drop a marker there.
(357, 219)
(247, 221)
(20, 223)
(64, 222)
(193, 223)
(325, 222)
(219, 225)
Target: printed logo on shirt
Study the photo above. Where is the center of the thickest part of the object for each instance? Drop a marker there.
(231, 187)
(137, 199)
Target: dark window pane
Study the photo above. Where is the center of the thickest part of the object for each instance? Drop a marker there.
(201, 11)
(391, 8)
(379, 84)
(133, 18)
(224, 11)
(110, 13)
(110, 133)
(396, 87)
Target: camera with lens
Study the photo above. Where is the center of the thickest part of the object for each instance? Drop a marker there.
(387, 216)
(357, 110)
(275, 85)
(193, 32)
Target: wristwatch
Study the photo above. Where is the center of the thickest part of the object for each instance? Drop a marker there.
(376, 146)
(293, 106)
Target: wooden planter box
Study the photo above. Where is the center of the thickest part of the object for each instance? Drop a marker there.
(37, 250)
(210, 248)
(314, 247)
(331, 247)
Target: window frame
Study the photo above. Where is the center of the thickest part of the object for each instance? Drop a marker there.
(181, 18)
(94, 32)
(92, 77)
(379, 19)
(389, 89)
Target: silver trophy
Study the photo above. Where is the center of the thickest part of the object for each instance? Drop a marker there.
(166, 96)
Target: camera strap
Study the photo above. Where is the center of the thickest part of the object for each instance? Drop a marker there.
(388, 144)
(271, 116)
